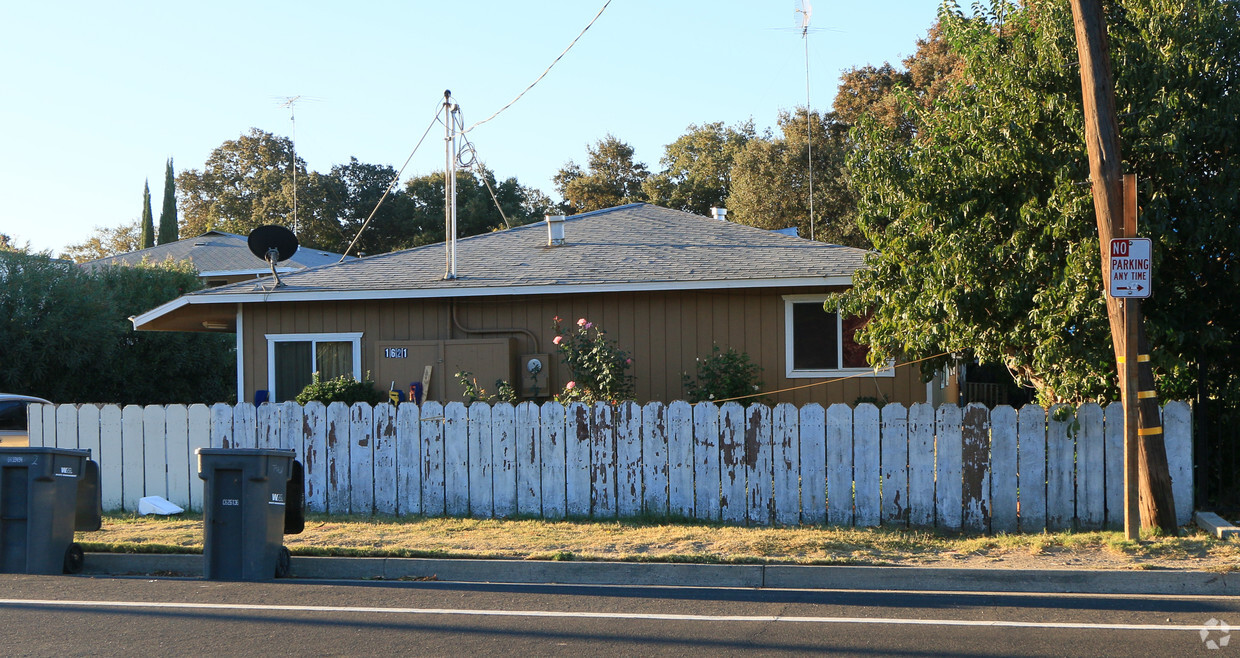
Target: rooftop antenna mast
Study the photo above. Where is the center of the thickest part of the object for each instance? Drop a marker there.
(451, 119)
(803, 11)
(292, 117)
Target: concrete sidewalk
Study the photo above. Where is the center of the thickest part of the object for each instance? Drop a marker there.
(706, 575)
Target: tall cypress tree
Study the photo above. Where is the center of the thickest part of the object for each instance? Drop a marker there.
(148, 223)
(168, 215)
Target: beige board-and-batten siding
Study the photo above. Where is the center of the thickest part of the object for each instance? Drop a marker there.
(973, 469)
(664, 331)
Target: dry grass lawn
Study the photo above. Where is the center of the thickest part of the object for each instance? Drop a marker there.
(690, 542)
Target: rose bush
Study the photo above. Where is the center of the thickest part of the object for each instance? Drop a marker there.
(599, 367)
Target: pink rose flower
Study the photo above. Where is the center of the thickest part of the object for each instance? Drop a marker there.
(557, 340)
(588, 325)
(628, 361)
(570, 385)
(581, 322)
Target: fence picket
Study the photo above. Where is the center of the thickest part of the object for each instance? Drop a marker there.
(1114, 472)
(680, 459)
(921, 468)
(759, 463)
(840, 465)
(1177, 419)
(456, 459)
(1090, 482)
(338, 464)
(176, 422)
(603, 461)
(434, 495)
(387, 492)
(480, 462)
(111, 457)
(1060, 455)
(222, 426)
(706, 457)
(813, 428)
(577, 459)
(949, 476)
(133, 467)
(628, 432)
(894, 464)
(408, 459)
(361, 459)
(88, 431)
(656, 441)
(1031, 444)
(785, 440)
(199, 437)
(551, 453)
(38, 432)
(267, 424)
(316, 459)
(975, 468)
(1003, 470)
(528, 460)
(503, 460)
(732, 462)
(154, 452)
(47, 421)
(66, 427)
(245, 426)
(292, 433)
(867, 496)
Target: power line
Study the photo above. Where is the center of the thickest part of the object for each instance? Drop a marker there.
(392, 185)
(544, 73)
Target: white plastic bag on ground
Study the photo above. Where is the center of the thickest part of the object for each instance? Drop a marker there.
(157, 505)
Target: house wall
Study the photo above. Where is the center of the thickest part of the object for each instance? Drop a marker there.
(664, 331)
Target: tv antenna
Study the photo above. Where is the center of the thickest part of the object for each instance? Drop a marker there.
(290, 102)
(802, 12)
(273, 244)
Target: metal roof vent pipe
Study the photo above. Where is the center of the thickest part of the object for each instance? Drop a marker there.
(720, 214)
(555, 230)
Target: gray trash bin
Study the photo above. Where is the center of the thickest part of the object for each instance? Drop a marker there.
(45, 494)
(246, 494)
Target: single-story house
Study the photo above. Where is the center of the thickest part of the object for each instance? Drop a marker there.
(665, 285)
(220, 258)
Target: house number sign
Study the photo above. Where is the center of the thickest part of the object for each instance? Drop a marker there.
(396, 352)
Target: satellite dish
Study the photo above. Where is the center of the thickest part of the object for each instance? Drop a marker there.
(273, 244)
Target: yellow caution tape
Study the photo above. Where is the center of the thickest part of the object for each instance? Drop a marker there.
(1145, 395)
(1149, 431)
(1143, 358)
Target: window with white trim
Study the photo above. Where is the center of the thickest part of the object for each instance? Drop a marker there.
(292, 360)
(820, 343)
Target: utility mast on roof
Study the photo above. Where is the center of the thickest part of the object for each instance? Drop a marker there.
(292, 117)
(804, 10)
(451, 118)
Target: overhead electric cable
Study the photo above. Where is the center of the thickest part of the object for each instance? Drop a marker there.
(544, 73)
(395, 180)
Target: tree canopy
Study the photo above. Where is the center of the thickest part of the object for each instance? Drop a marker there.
(148, 223)
(106, 241)
(982, 221)
(611, 178)
(697, 167)
(168, 214)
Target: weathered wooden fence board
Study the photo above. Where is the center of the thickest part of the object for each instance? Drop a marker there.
(1090, 492)
(813, 456)
(1003, 470)
(839, 464)
(974, 468)
(867, 478)
(921, 468)
(1031, 462)
(949, 478)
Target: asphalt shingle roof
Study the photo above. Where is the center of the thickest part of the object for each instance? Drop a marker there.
(215, 251)
(634, 244)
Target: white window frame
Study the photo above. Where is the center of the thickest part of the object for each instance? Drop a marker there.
(791, 373)
(313, 339)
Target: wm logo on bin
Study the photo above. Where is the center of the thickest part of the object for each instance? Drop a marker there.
(276, 499)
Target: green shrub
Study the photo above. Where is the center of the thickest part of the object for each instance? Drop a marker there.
(723, 375)
(600, 369)
(341, 389)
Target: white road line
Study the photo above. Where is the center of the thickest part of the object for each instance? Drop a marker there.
(600, 615)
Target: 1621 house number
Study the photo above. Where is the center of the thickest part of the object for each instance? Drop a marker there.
(396, 352)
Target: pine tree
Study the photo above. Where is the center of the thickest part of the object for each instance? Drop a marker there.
(148, 224)
(168, 215)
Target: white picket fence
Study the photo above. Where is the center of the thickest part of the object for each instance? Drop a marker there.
(974, 469)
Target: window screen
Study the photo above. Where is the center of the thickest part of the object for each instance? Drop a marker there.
(815, 337)
(293, 368)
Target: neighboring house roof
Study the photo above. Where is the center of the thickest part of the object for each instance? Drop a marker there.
(216, 253)
(636, 247)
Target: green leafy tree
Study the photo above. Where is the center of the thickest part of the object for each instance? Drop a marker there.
(612, 178)
(984, 233)
(168, 214)
(148, 225)
(476, 211)
(104, 242)
(770, 181)
(697, 167)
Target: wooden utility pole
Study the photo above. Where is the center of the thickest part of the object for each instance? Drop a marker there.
(1157, 506)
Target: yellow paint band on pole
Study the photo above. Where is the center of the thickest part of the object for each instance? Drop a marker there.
(1143, 358)
(1149, 431)
(1145, 395)
(1119, 359)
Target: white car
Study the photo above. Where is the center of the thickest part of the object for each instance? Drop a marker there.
(13, 429)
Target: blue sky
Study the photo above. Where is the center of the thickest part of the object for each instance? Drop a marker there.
(96, 96)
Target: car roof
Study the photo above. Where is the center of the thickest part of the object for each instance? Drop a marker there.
(13, 397)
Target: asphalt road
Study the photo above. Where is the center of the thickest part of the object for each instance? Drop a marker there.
(65, 615)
